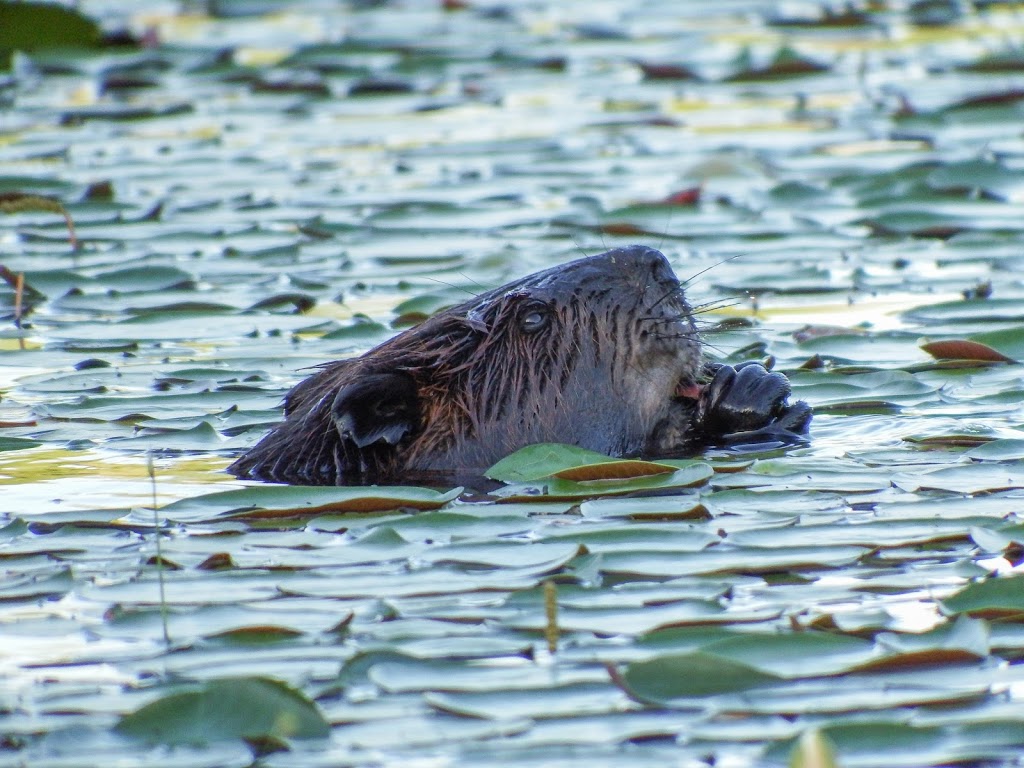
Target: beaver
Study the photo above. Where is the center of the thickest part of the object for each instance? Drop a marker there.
(601, 353)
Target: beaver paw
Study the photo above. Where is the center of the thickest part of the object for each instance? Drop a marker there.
(749, 404)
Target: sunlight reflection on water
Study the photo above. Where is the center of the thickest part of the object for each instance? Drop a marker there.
(98, 479)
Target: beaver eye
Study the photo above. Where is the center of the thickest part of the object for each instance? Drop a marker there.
(534, 318)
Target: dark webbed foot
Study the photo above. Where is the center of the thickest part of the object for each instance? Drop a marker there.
(749, 404)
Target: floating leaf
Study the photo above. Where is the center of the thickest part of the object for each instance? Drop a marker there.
(689, 507)
(151, 277)
(298, 501)
(1007, 449)
(665, 71)
(795, 654)
(918, 223)
(964, 349)
(983, 310)
(992, 598)
(228, 708)
(255, 635)
(32, 26)
(557, 489)
(614, 470)
(542, 460)
(675, 679)
(1009, 341)
(786, 63)
(966, 478)
(17, 443)
(978, 174)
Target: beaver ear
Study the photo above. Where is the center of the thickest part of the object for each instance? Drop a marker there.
(376, 407)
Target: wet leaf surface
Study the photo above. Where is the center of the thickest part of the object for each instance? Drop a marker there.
(259, 187)
(230, 708)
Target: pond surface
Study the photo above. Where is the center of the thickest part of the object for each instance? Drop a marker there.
(279, 184)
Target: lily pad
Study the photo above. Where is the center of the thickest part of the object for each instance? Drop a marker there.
(229, 708)
(30, 26)
(964, 349)
(1008, 449)
(557, 489)
(17, 443)
(267, 501)
(992, 598)
(542, 460)
(676, 679)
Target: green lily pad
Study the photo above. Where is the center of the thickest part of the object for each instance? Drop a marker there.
(557, 489)
(1009, 341)
(964, 349)
(1007, 449)
(228, 708)
(542, 460)
(676, 679)
(298, 501)
(18, 443)
(984, 310)
(984, 174)
(32, 26)
(991, 598)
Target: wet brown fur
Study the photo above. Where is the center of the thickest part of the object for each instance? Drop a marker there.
(618, 343)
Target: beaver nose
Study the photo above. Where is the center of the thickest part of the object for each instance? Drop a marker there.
(651, 264)
(661, 270)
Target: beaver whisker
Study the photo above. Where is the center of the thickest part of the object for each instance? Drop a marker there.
(688, 282)
(705, 327)
(711, 306)
(676, 333)
(677, 289)
(722, 303)
(453, 286)
(673, 336)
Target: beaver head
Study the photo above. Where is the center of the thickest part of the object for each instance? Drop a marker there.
(589, 353)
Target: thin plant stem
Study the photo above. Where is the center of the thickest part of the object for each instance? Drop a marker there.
(551, 630)
(159, 552)
(19, 293)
